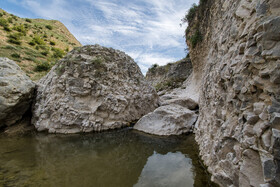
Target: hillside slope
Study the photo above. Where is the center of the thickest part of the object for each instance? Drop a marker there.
(170, 76)
(35, 44)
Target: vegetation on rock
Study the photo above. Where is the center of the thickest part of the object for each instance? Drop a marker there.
(193, 18)
(170, 76)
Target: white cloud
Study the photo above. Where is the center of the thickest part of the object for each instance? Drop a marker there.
(150, 27)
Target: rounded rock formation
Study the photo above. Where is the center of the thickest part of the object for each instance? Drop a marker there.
(92, 89)
(16, 92)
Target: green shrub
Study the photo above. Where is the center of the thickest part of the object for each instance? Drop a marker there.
(44, 47)
(98, 65)
(97, 62)
(26, 26)
(15, 17)
(196, 38)
(45, 53)
(191, 14)
(58, 53)
(28, 20)
(20, 28)
(15, 55)
(1, 14)
(153, 67)
(37, 40)
(52, 43)
(32, 43)
(42, 66)
(201, 2)
(15, 38)
(49, 27)
(60, 69)
(7, 28)
(3, 22)
(10, 20)
(10, 47)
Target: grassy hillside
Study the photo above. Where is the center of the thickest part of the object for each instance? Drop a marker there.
(35, 44)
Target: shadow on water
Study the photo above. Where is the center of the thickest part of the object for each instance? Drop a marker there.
(116, 158)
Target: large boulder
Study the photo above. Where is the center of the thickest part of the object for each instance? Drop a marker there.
(167, 120)
(175, 116)
(16, 92)
(93, 88)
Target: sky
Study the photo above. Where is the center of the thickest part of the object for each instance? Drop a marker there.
(147, 30)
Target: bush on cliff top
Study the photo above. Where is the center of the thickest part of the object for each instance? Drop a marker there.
(191, 14)
(193, 11)
(196, 38)
(193, 32)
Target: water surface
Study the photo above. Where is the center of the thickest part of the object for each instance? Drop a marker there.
(121, 158)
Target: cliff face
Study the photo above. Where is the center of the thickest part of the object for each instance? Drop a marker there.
(169, 76)
(237, 68)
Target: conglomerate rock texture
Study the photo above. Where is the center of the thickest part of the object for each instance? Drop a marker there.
(16, 92)
(238, 67)
(92, 89)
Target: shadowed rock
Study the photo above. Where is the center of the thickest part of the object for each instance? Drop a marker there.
(16, 92)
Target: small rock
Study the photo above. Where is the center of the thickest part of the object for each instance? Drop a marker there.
(266, 139)
(275, 119)
(261, 8)
(269, 169)
(258, 107)
(275, 143)
(251, 118)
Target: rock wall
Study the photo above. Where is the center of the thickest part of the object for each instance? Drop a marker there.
(169, 76)
(16, 92)
(238, 67)
(93, 88)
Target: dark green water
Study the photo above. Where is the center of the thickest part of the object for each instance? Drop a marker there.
(120, 158)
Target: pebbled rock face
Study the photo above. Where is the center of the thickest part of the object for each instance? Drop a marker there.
(16, 92)
(169, 76)
(238, 64)
(92, 89)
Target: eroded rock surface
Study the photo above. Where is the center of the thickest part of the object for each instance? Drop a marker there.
(238, 65)
(169, 76)
(92, 89)
(16, 92)
(175, 116)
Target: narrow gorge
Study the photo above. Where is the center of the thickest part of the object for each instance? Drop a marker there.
(213, 115)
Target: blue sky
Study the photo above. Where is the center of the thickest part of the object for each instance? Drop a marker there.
(147, 30)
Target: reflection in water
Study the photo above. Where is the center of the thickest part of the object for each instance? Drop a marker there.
(117, 158)
(172, 169)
